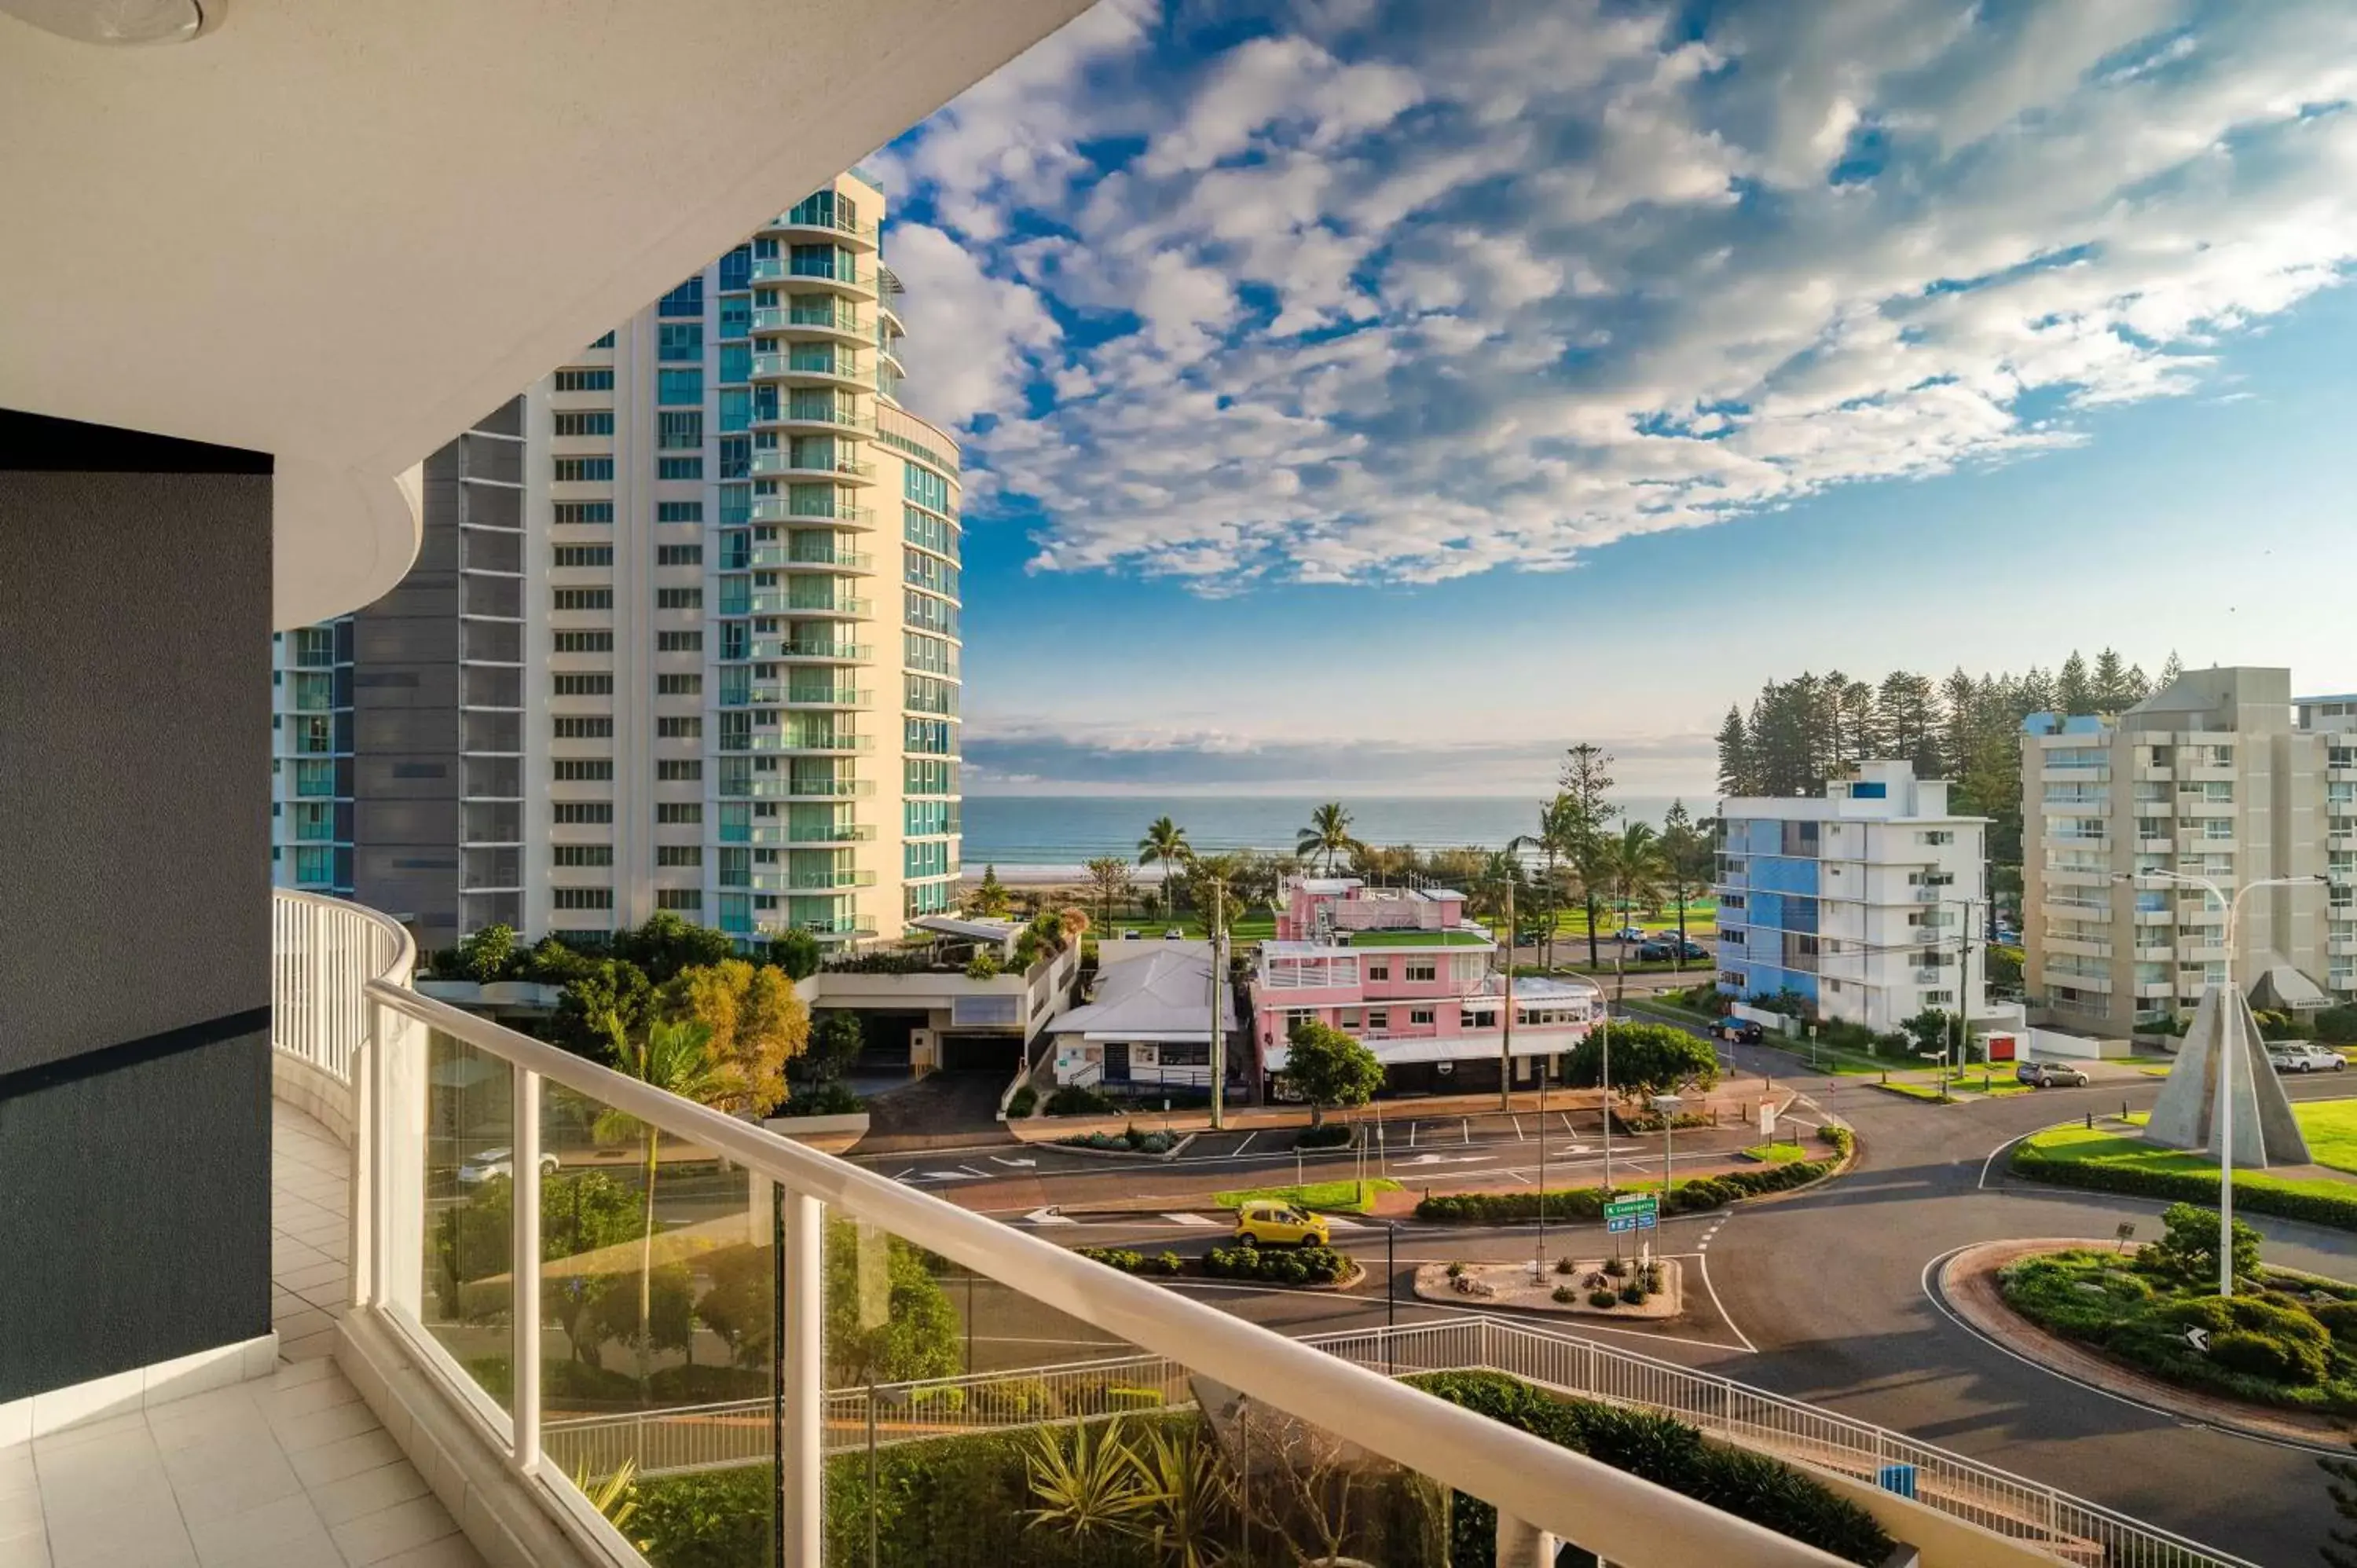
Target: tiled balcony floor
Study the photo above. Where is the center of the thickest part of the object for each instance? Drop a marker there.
(288, 1471)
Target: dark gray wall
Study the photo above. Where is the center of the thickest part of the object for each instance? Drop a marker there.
(134, 853)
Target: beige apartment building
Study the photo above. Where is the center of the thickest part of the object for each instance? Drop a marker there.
(2223, 777)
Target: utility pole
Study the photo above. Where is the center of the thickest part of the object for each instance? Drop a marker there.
(1606, 1075)
(1218, 981)
(1506, 1018)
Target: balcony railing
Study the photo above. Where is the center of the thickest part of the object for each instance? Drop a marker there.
(492, 1169)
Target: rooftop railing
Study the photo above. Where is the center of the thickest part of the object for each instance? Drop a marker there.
(874, 1349)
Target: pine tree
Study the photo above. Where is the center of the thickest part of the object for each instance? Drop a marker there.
(2074, 692)
(1735, 774)
(1587, 788)
(2169, 673)
(2113, 692)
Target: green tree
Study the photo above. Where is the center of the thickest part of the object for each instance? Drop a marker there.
(551, 963)
(1329, 834)
(739, 1305)
(991, 899)
(1330, 1068)
(1929, 1029)
(1555, 841)
(1737, 773)
(836, 1039)
(2188, 1248)
(796, 952)
(887, 1319)
(1587, 785)
(1647, 1058)
(1210, 881)
(1635, 871)
(1689, 862)
(1164, 845)
(1110, 884)
(581, 1213)
(755, 1022)
(666, 944)
(670, 1055)
(488, 954)
(607, 997)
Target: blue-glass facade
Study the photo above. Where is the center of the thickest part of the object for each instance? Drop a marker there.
(1777, 896)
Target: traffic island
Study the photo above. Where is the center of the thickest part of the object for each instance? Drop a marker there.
(2269, 1363)
(1581, 1287)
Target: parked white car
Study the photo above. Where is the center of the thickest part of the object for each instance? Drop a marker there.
(491, 1163)
(2292, 1057)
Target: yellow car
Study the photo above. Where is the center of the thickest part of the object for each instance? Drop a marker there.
(1279, 1225)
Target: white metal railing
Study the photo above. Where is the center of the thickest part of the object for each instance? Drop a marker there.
(340, 991)
(322, 951)
(2072, 1528)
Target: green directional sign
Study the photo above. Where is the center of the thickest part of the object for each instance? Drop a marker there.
(1631, 1213)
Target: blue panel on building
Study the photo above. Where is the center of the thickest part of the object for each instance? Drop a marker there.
(1780, 874)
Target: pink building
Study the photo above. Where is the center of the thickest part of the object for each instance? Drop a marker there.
(1404, 971)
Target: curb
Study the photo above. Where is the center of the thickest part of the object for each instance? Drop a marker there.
(2089, 1368)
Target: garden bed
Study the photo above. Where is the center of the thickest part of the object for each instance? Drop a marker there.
(2100, 1161)
(1688, 1197)
(1129, 1140)
(1649, 1292)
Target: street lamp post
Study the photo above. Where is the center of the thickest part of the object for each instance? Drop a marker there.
(2233, 908)
(1538, 1258)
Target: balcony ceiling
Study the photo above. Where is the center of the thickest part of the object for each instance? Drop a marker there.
(340, 230)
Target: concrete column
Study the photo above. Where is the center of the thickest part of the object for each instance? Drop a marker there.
(802, 1374)
(1523, 1545)
(134, 888)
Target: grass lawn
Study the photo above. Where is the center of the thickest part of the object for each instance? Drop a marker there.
(1332, 1197)
(1929, 1092)
(2331, 1127)
(1992, 1084)
(1777, 1154)
(1257, 928)
(2078, 1145)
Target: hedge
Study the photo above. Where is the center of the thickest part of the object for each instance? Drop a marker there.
(1133, 1262)
(1663, 1450)
(1272, 1265)
(1588, 1202)
(2189, 1186)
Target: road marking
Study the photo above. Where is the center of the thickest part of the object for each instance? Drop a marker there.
(1983, 1183)
(1429, 1160)
(1019, 1165)
(1238, 1152)
(1466, 1128)
(1411, 1135)
(905, 1175)
(1703, 1265)
(1518, 1128)
(1334, 1223)
(961, 1173)
(979, 1176)
(1048, 1216)
(1196, 1221)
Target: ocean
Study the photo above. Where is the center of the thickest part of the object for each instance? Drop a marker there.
(1026, 836)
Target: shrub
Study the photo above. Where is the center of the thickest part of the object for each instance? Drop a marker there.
(2339, 1319)
(1652, 1279)
(1292, 1266)
(982, 965)
(1078, 1099)
(1455, 1270)
(1615, 1267)
(1025, 1101)
(2192, 1186)
(833, 1098)
(1169, 1263)
(1564, 1294)
(2338, 1025)
(1602, 1297)
(1840, 1139)
(1333, 1135)
(937, 1401)
(1565, 1266)
(2290, 1361)
(1633, 1293)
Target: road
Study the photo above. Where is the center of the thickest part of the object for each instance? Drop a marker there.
(1820, 1296)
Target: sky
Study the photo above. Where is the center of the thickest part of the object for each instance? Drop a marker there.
(1382, 397)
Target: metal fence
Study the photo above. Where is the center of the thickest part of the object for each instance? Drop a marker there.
(2070, 1528)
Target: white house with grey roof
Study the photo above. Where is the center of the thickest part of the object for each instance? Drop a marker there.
(1149, 1026)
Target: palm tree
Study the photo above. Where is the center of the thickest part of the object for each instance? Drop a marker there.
(1329, 834)
(1164, 845)
(1557, 839)
(1633, 869)
(672, 1057)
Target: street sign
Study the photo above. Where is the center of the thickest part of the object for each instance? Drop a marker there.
(1630, 1214)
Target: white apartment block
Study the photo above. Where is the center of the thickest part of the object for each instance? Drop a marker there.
(2217, 778)
(683, 630)
(1860, 900)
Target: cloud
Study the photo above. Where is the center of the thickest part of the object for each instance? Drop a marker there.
(1398, 293)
